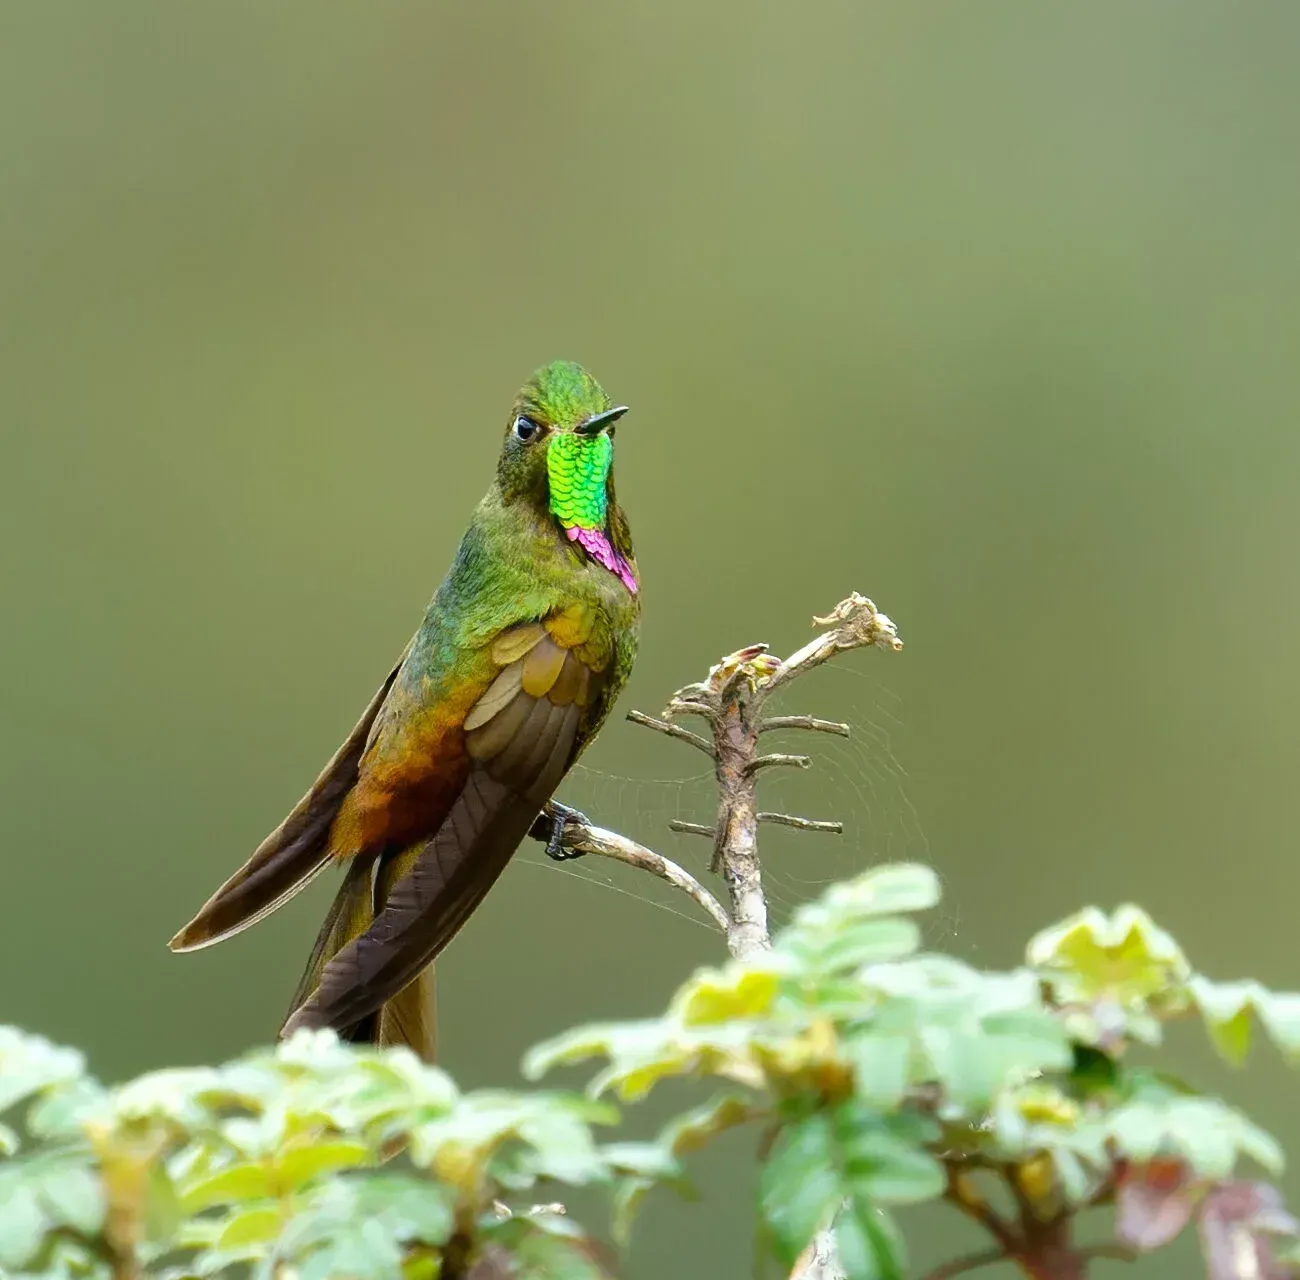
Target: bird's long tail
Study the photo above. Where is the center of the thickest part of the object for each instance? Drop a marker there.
(292, 855)
(409, 1017)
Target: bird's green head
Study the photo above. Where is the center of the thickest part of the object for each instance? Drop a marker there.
(559, 446)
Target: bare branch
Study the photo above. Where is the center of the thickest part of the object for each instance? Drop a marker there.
(777, 758)
(804, 722)
(860, 625)
(692, 828)
(609, 844)
(800, 824)
(672, 730)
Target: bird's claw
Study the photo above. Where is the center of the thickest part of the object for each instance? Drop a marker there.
(550, 826)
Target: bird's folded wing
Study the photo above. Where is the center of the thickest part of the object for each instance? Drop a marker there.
(520, 737)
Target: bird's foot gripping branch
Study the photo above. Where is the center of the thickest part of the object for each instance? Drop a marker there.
(877, 1077)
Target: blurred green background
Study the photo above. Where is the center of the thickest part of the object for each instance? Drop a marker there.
(989, 311)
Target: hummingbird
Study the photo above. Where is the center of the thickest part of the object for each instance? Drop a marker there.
(520, 655)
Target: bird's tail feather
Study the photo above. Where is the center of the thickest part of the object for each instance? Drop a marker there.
(408, 1018)
(349, 916)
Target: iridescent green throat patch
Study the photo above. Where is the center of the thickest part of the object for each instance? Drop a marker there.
(578, 467)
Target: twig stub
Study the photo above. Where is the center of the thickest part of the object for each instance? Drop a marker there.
(802, 824)
(804, 722)
(778, 759)
(673, 731)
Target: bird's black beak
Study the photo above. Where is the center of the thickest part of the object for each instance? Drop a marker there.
(598, 422)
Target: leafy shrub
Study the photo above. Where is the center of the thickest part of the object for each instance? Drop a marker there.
(318, 1156)
(879, 1076)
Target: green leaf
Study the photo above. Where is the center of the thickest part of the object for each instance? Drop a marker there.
(1124, 959)
(799, 1185)
(697, 1128)
(197, 1233)
(233, 1185)
(974, 1064)
(413, 1209)
(882, 1162)
(543, 1254)
(743, 990)
(939, 1021)
(458, 1146)
(884, 890)
(22, 1225)
(881, 1067)
(628, 1196)
(849, 1154)
(603, 1040)
(299, 1165)
(1205, 1132)
(61, 1112)
(726, 1052)
(219, 1262)
(650, 1160)
(869, 1245)
(72, 1195)
(639, 1168)
(881, 1158)
(421, 1265)
(163, 1214)
(333, 1209)
(30, 1064)
(563, 1147)
(1093, 1073)
(318, 1051)
(1138, 1130)
(1227, 1008)
(170, 1095)
(66, 1258)
(853, 945)
(362, 1252)
(1073, 1178)
(259, 1225)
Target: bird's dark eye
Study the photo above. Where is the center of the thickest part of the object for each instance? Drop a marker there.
(526, 429)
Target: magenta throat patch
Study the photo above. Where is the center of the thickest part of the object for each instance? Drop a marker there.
(598, 547)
